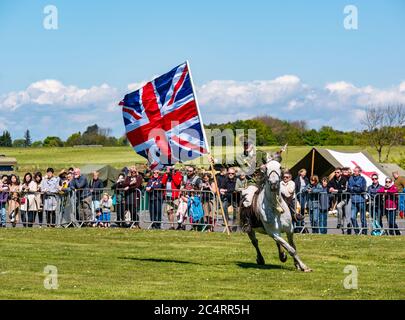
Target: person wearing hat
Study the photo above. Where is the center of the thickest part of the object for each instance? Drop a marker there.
(252, 162)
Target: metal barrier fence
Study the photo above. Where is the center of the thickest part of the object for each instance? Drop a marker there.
(318, 212)
(361, 213)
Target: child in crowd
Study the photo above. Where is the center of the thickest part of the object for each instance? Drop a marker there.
(98, 220)
(105, 206)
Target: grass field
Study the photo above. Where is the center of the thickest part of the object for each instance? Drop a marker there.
(127, 264)
(33, 159)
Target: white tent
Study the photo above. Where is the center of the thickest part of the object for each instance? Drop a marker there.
(322, 162)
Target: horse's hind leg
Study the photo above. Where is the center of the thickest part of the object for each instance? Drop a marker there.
(255, 242)
(281, 254)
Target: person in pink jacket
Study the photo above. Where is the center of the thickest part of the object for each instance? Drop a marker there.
(390, 198)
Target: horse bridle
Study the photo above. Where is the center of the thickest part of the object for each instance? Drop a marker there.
(279, 178)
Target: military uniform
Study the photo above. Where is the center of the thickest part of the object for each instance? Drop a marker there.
(253, 162)
(250, 164)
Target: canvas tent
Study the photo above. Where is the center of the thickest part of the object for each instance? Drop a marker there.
(7, 163)
(108, 174)
(322, 162)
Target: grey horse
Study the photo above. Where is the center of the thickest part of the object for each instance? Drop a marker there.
(269, 214)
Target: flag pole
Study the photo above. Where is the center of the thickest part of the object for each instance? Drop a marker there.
(313, 162)
(209, 151)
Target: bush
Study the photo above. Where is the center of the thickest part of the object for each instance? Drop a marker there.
(37, 144)
(19, 143)
(53, 142)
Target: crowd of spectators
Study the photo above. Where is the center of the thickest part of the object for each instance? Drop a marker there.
(188, 196)
(346, 193)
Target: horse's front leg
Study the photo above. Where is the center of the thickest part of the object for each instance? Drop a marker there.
(290, 238)
(281, 254)
(255, 242)
(297, 261)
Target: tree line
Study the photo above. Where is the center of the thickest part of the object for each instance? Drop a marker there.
(93, 135)
(382, 128)
(275, 132)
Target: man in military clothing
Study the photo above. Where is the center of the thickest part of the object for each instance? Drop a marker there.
(252, 162)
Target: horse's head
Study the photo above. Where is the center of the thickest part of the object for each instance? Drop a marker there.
(273, 173)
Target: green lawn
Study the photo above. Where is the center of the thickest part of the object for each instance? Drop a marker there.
(118, 264)
(33, 159)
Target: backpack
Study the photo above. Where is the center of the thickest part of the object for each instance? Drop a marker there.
(377, 230)
(196, 212)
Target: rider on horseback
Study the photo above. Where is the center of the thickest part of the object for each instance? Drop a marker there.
(253, 163)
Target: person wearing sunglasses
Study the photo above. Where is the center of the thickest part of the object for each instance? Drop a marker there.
(287, 189)
(191, 180)
(390, 191)
(374, 202)
(338, 187)
(301, 183)
(132, 184)
(357, 187)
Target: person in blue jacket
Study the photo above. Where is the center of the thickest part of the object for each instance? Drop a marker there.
(313, 190)
(323, 206)
(357, 187)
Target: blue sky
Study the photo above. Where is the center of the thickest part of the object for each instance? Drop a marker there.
(290, 59)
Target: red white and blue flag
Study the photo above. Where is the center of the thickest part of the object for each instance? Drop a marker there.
(162, 119)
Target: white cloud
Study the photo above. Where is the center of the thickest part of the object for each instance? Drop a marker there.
(53, 92)
(342, 93)
(340, 87)
(50, 107)
(229, 93)
(3, 124)
(83, 118)
(136, 85)
(402, 86)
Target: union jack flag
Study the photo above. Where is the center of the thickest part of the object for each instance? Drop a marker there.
(162, 119)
